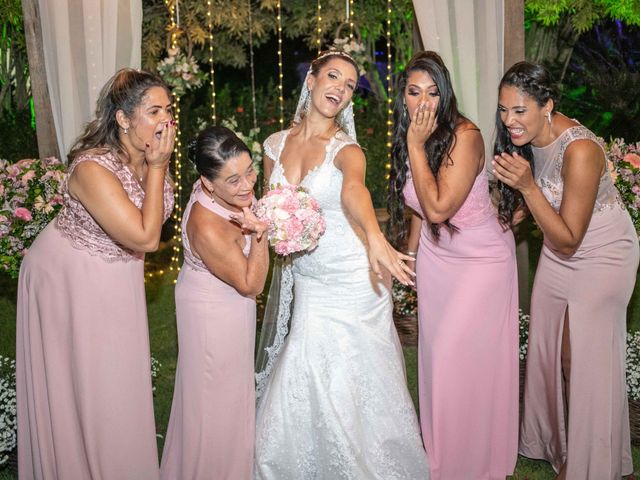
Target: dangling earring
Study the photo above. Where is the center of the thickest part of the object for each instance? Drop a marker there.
(548, 114)
(307, 102)
(404, 110)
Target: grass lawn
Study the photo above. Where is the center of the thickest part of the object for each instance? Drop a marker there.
(164, 348)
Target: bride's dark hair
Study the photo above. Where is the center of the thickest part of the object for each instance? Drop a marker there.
(535, 81)
(437, 146)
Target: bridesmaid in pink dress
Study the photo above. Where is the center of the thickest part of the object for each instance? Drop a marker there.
(85, 407)
(212, 426)
(466, 281)
(575, 400)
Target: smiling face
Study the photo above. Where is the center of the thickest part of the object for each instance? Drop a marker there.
(525, 120)
(421, 89)
(148, 119)
(332, 87)
(233, 187)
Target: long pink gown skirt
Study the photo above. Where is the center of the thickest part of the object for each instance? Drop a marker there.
(83, 369)
(212, 426)
(468, 342)
(575, 400)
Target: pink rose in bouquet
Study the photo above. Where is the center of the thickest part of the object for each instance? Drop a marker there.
(294, 218)
(624, 165)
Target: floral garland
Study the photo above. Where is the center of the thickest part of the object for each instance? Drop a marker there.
(180, 72)
(250, 140)
(624, 165)
(355, 49)
(31, 194)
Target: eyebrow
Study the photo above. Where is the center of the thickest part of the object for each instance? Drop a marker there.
(515, 106)
(168, 105)
(426, 88)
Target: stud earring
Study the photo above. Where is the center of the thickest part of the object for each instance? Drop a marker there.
(125, 130)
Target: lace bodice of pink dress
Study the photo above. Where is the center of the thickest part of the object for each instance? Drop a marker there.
(77, 224)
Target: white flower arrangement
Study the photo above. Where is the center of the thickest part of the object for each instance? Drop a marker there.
(8, 424)
(523, 326)
(180, 72)
(633, 365)
(355, 49)
(250, 140)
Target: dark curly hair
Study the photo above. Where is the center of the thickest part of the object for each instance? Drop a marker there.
(437, 146)
(535, 81)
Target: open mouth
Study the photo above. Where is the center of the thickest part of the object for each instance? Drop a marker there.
(335, 99)
(516, 132)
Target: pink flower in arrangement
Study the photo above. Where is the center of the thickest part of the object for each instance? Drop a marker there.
(23, 214)
(30, 175)
(633, 159)
(294, 218)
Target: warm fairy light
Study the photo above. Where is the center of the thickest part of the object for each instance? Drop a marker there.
(389, 92)
(212, 83)
(176, 216)
(319, 28)
(350, 19)
(253, 72)
(280, 76)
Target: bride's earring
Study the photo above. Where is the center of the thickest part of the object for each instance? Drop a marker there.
(548, 114)
(307, 103)
(404, 110)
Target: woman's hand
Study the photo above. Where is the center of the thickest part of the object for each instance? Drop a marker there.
(381, 253)
(158, 152)
(513, 170)
(423, 124)
(250, 223)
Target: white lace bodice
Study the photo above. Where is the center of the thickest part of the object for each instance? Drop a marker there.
(342, 246)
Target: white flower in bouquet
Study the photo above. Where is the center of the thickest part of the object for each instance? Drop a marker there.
(8, 424)
(180, 72)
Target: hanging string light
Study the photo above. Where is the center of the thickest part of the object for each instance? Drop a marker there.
(389, 92)
(212, 83)
(280, 76)
(319, 27)
(253, 73)
(177, 150)
(350, 18)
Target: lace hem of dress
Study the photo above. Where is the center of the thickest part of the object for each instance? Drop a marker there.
(111, 256)
(285, 298)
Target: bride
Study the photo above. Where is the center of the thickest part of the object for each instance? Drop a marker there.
(333, 400)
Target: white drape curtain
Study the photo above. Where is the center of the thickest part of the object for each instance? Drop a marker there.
(468, 35)
(85, 43)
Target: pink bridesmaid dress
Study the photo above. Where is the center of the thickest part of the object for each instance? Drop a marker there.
(468, 341)
(575, 400)
(85, 406)
(212, 426)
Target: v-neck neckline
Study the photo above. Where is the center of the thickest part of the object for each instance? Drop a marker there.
(311, 170)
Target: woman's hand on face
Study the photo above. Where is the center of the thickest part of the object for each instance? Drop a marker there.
(383, 254)
(513, 170)
(158, 152)
(423, 124)
(250, 223)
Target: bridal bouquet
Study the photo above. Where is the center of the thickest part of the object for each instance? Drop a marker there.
(294, 218)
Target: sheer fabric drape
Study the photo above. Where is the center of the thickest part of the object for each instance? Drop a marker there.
(85, 43)
(468, 35)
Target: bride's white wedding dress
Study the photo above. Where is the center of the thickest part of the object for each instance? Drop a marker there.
(336, 405)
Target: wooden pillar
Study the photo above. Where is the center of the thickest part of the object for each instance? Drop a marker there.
(513, 32)
(514, 52)
(45, 127)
